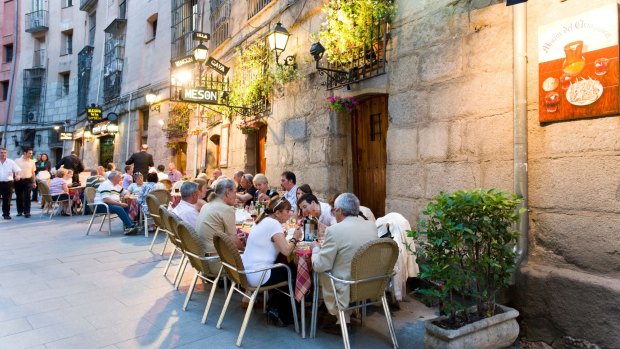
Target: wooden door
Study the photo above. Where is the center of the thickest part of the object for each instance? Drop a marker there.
(261, 139)
(369, 124)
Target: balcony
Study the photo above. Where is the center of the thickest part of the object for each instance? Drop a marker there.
(38, 60)
(88, 5)
(34, 95)
(37, 21)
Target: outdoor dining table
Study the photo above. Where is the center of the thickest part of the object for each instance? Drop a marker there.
(74, 198)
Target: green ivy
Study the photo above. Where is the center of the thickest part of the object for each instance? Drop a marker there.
(469, 248)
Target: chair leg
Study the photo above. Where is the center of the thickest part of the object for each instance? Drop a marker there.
(388, 318)
(230, 292)
(315, 304)
(103, 221)
(211, 294)
(109, 217)
(169, 261)
(191, 290)
(165, 243)
(303, 317)
(154, 236)
(91, 223)
(183, 265)
(246, 318)
(293, 306)
(343, 327)
(265, 297)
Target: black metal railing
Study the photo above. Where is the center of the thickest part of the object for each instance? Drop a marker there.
(255, 6)
(220, 17)
(37, 21)
(34, 95)
(364, 65)
(112, 86)
(38, 59)
(85, 61)
(88, 5)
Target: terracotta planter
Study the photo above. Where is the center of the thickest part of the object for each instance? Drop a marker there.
(497, 331)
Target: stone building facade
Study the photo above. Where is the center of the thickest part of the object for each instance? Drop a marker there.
(9, 52)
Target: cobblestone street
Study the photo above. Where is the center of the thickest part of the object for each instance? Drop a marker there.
(62, 289)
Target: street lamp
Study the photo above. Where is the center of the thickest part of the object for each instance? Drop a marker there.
(277, 39)
(151, 98)
(56, 127)
(201, 52)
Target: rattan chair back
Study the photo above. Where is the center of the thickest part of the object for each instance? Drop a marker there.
(193, 249)
(153, 204)
(375, 258)
(227, 250)
(44, 190)
(171, 222)
(89, 195)
(163, 197)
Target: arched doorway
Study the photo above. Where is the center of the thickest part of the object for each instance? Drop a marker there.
(369, 123)
(261, 140)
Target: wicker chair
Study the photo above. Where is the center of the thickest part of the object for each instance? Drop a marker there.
(163, 196)
(48, 201)
(233, 266)
(89, 196)
(171, 222)
(372, 267)
(196, 257)
(153, 204)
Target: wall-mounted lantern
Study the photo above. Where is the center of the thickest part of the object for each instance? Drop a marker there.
(277, 39)
(151, 98)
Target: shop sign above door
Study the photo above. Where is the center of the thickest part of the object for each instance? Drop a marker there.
(93, 114)
(200, 95)
(65, 136)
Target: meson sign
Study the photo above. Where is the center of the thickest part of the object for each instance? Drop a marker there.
(200, 95)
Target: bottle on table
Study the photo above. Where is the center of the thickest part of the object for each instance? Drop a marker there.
(306, 228)
(314, 226)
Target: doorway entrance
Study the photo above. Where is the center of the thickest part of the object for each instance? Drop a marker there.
(369, 123)
(106, 150)
(261, 140)
(180, 157)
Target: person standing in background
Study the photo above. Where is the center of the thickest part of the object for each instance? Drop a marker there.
(35, 191)
(72, 162)
(9, 172)
(24, 186)
(141, 161)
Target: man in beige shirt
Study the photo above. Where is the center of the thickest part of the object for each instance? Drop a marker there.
(24, 186)
(218, 215)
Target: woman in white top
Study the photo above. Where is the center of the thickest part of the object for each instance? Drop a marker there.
(59, 190)
(266, 239)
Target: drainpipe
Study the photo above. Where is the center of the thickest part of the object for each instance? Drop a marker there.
(519, 30)
(12, 79)
(128, 125)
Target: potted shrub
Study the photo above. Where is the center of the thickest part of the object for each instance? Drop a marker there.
(469, 251)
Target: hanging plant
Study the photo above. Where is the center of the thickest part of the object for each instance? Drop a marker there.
(249, 126)
(174, 143)
(350, 27)
(178, 121)
(341, 104)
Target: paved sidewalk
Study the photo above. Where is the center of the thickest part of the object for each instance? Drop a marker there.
(62, 289)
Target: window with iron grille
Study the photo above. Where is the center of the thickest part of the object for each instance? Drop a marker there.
(34, 95)
(220, 17)
(184, 22)
(113, 58)
(255, 6)
(85, 61)
(92, 25)
(122, 9)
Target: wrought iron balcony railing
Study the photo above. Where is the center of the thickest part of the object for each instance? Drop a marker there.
(255, 6)
(88, 5)
(37, 21)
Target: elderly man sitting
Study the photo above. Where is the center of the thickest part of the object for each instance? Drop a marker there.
(109, 192)
(341, 242)
(186, 209)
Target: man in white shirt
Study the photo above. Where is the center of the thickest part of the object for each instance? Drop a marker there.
(160, 172)
(186, 209)
(24, 186)
(288, 181)
(308, 203)
(110, 193)
(9, 171)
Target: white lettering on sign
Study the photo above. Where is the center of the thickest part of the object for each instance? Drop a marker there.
(183, 61)
(200, 95)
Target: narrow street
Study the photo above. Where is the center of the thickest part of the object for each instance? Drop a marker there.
(62, 289)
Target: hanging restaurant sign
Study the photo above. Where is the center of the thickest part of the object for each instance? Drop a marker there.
(105, 128)
(93, 114)
(65, 136)
(200, 95)
(178, 63)
(217, 66)
(202, 36)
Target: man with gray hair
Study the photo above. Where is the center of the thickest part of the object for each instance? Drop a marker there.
(335, 253)
(110, 193)
(218, 215)
(186, 209)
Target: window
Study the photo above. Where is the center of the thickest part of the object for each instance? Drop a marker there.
(5, 90)
(255, 6)
(144, 130)
(8, 53)
(122, 9)
(154, 28)
(220, 17)
(67, 43)
(184, 21)
(151, 28)
(92, 24)
(67, 3)
(63, 84)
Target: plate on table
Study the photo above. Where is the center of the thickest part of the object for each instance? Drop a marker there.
(584, 92)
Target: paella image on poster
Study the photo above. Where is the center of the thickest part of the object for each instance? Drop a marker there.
(578, 66)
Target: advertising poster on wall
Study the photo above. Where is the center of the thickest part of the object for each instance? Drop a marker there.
(578, 66)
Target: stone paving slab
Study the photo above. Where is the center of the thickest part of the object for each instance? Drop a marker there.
(62, 289)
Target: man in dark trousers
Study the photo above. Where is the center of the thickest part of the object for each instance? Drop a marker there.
(141, 161)
(72, 162)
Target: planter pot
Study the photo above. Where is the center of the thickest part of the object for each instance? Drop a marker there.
(497, 331)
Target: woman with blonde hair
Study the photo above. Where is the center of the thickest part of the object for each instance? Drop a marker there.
(266, 240)
(263, 191)
(202, 192)
(59, 190)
